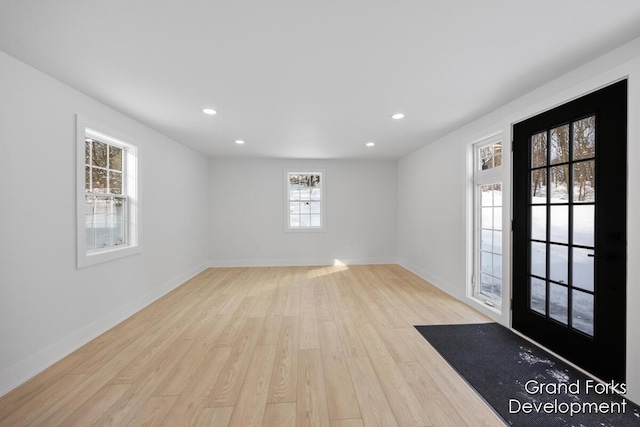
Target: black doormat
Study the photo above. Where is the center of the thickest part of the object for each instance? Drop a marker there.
(526, 385)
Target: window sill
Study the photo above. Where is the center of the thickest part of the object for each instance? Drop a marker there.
(495, 308)
(87, 259)
(305, 230)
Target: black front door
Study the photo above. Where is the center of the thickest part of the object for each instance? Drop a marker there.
(569, 230)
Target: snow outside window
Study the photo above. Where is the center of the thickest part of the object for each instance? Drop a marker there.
(107, 196)
(488, 230)
(304, 200)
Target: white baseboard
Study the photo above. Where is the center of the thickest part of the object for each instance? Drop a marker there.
(451, 290)
(19, 373)
(299, 262)
(436, 281)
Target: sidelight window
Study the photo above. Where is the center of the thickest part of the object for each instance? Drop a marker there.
(488, 224)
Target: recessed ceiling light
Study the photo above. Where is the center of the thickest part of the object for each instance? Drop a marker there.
(370, 144)
(209, 111)
(397, 116)
(239, 141)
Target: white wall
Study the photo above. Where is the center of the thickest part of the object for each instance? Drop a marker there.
(433, 196)
(47, 306)
(247, 213)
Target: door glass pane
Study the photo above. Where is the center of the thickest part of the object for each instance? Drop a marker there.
(559, 144)
(538, 259)
(582, 312)
(539, 222)
(558, 303)
(584, 181)
(583, 268)
(538, 296)
(559, 263)
(584, 138)
(539, 150)
(559, 177)
(539, 186)
(560, 224)
(583, 223)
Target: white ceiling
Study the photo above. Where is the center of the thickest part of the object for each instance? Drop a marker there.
(310, 79)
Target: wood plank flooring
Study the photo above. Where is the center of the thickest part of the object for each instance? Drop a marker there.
(278, 346)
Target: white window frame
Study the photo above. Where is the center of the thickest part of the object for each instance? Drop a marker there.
(494, 175)
(323, 188)
(87, 128)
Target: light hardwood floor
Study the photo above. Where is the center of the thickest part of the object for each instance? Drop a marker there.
(290, 346)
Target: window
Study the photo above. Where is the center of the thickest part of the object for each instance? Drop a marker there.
(490, 155)
(304, 200)
(107, 195)
(105, 202)
(487, 210)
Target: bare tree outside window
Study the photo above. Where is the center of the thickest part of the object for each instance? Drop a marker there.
(105, 204)
(305, 200)
(565, 157)
(491, 156)
(584, 148)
